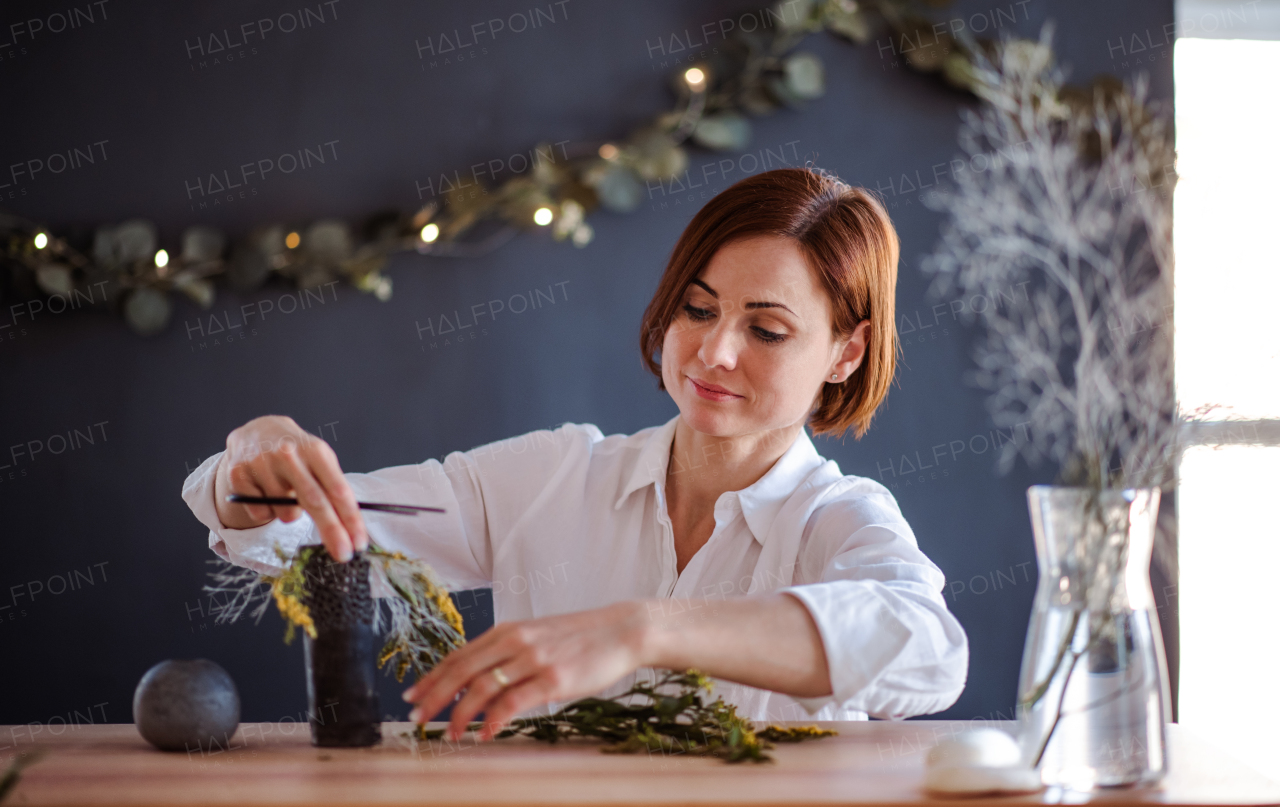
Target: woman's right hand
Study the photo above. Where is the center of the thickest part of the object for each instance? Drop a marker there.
(273, 456)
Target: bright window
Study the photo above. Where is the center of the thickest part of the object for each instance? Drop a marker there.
(1226, 223)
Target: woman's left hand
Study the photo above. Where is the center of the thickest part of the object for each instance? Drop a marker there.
(555, 658)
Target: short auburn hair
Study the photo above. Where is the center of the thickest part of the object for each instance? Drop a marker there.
(847, 240)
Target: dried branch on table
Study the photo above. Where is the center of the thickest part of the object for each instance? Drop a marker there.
(668, 722)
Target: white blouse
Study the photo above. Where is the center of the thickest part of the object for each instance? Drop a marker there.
(568, 520)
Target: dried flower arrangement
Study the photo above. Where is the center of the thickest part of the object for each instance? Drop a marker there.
(421, 623)
(1073, 208)
(423, 626)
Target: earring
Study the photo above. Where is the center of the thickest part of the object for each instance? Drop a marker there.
(833, 376)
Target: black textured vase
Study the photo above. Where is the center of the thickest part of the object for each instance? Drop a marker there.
(341, 686)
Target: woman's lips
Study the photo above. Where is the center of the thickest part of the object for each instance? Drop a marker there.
(712, 392)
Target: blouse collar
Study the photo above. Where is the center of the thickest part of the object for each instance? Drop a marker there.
(760, 501)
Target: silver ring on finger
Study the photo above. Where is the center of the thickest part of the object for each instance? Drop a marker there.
(500, 677)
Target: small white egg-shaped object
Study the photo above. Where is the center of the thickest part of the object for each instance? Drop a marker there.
(984, 760)
(976, 780)
(983, 747)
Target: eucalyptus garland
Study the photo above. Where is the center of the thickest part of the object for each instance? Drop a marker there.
(124, 266)
(661, 721)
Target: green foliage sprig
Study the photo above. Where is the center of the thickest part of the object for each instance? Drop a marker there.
(666, 722)
(123, 267)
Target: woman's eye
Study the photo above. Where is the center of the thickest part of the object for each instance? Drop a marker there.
(697, 313)
(769, 336)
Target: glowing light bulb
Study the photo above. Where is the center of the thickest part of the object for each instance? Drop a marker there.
(608, 151)
(543, 216)
(292, 240)
(41, 241)
(431, 232)
(695, 78)
(162, 259)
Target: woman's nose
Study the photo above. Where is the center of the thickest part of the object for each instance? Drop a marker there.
(719, 348)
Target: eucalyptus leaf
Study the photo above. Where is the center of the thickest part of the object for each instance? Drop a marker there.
(249, 268)
(328, 242)
(147, 311)
(781, 93)
(616, 186)
(725, 131)
(202, 244)
(804, 75)
(135, 241)
(847, 19)
(104, 246)
(269, 240)
(126, 243)
(54, 278)
(655, 155)
(197, 288)
(793, 15)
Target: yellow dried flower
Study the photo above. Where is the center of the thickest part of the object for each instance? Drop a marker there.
(450, 613)
(794, 734)
(293, 610)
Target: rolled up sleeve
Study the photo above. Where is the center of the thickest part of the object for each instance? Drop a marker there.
(484, 492)
(455, 543)
(893, 649)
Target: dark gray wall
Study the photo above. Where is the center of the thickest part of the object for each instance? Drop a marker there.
(356, 368)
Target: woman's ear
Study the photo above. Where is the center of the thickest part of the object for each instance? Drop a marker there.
(851, 354)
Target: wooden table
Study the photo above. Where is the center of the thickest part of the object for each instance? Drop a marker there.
(274, 763)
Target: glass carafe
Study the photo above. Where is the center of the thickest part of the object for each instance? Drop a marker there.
(1093, 694)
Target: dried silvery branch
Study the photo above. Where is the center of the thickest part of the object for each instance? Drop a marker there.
(1068, 229)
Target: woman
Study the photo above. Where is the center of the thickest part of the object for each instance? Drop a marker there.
(720, 540)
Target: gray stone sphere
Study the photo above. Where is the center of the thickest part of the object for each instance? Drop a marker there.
(188, 705)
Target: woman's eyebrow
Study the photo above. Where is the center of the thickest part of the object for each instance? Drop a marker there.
(770, 305)
(748, 306)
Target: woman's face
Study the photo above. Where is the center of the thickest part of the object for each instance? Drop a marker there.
(752, 345)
